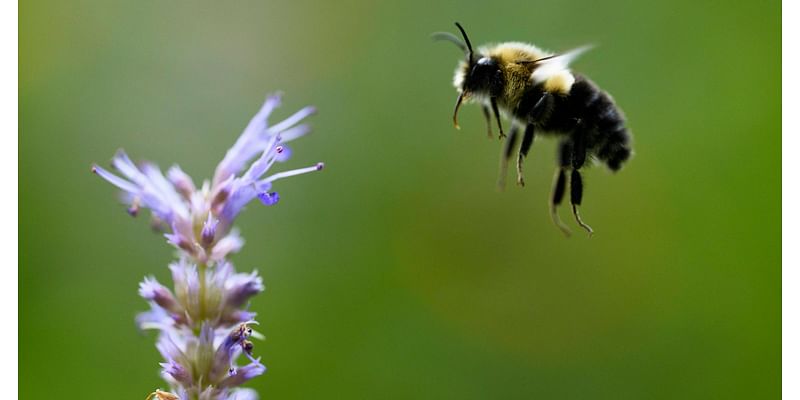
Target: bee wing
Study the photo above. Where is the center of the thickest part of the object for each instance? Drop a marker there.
(547, 66)
(447, 36)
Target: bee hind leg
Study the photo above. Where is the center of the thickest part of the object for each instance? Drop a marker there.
(560, 184)
(576, 194)
(576, 181)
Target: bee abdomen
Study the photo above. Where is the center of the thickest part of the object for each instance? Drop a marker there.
(587, 112)
(602, 123)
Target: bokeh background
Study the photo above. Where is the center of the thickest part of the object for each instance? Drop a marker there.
(400, 271)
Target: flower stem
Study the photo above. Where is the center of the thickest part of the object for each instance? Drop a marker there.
(202, 273)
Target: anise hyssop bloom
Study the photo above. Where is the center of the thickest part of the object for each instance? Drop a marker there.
(203, 321)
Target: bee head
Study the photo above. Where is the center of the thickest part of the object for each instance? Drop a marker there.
(483, 78)
(478, 76)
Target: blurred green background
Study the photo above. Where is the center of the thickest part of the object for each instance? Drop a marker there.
(399, 271)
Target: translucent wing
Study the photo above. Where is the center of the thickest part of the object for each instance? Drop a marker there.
(551, 65)
(447, 36)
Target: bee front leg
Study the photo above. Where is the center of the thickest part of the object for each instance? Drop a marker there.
(497, 116)
(527, 141)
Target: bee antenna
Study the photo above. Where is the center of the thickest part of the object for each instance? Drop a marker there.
(466, 40)
(545, 58)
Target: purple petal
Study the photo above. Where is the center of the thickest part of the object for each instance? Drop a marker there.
(263, 163)
(181, 181)
(244, 149)
(115, 180)
(241, 194)
(263, 186)
(243, 394)
(161, 184)
(229, 244)
(284, 154)
(223, 271)
(157, 317)
(243, 374)
(294, 133)
(180, 242)
(221, 192)
(293, 120)
(150, 188)
(168, 347)
(151, 290)
(177, 372)
(209, 230)
(241, 287)
(206, 336)
(269, 198)
(126, 167)
(242, 316)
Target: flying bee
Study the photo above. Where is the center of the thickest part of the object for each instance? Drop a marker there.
(538, 93)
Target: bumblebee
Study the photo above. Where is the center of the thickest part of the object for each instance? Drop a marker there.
(540, 95)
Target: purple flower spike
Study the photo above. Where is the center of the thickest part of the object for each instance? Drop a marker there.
(175, 201)
(269, 199)
(204, 323)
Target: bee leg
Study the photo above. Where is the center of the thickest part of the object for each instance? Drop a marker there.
(560, 184)
(497, 116)
(576, 193)
(488, 118)
(508, 149)
(576, 182)
(527, 141)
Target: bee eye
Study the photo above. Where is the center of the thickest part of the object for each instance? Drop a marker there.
(484, 61)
